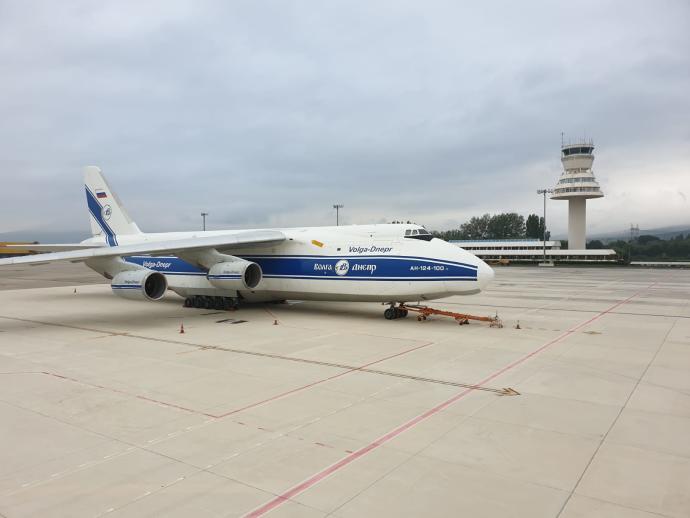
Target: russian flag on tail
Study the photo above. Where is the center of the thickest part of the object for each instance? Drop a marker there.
(101, 194)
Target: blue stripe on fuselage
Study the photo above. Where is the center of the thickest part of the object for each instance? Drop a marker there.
(257, 257)
(349, 267)
(382, 268)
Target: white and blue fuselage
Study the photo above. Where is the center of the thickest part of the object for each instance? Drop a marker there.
(350, 263)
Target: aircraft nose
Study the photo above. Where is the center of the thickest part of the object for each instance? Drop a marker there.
(485, 274)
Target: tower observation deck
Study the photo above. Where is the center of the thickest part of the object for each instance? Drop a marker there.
(577, 184)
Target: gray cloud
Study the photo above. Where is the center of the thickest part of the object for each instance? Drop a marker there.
(265, 113)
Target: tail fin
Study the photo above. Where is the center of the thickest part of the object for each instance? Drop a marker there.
(108, 216)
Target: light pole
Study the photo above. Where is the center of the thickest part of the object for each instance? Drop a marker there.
(543, 236)
(337, 207)
(203, 218)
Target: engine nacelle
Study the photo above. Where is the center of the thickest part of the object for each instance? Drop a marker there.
(139, 285)
(235, 275)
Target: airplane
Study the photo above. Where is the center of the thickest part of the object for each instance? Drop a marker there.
(388, 263)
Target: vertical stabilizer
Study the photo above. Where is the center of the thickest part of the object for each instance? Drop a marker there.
(108, 216)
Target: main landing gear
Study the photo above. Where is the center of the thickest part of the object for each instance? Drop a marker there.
(206, 302)
(394, 312)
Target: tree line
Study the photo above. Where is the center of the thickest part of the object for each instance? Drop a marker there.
(649, 248)
(507, 225)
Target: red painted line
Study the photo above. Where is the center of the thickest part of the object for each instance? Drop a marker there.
(318, 382)
(326, 472)
(251, 405)
(173, 405)
(125, 393)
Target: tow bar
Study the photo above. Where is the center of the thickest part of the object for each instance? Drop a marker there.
(460, 318)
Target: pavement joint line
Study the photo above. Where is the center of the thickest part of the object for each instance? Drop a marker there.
(658, 451)
(80, 467)
(92, 463)
(613, 423)
(278, 435)
(418, 453)
(289, 431)
(558, 359)
(563, 299)
(314, 479)
(350, 369)
(624, 506)
(666, 387)
(144, 495)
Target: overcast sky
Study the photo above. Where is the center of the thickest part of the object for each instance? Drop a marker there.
(266, 113)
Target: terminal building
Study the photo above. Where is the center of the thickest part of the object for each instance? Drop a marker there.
(531, 251)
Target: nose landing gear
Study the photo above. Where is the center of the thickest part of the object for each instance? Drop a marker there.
(394, 312)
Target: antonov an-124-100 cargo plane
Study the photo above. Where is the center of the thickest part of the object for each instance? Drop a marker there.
(387, 263)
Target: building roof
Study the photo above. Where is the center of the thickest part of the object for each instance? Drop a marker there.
(554, 252)
(498, 242)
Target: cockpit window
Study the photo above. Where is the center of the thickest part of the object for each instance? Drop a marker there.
(420, 233)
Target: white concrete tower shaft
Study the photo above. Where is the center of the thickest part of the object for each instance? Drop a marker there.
(577, 184)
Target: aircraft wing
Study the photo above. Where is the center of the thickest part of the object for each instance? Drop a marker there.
(224, 242)
(62, 247)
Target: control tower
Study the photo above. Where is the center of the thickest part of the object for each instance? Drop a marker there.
(577, 183)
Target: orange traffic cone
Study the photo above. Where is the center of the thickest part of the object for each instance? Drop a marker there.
(181, 328)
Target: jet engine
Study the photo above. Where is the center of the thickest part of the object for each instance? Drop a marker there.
(235, 275)
(139, 284)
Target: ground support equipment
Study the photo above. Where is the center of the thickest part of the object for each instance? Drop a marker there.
(460, 318)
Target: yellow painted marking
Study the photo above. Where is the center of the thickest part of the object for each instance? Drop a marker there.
(317, 243)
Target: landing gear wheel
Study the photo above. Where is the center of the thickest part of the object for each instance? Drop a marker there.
(389, 314)
(188, 302)
(403, 313)
(218, 303)
(198, 301)
(208, 302)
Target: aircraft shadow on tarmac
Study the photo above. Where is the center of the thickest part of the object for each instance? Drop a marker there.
(134, 314)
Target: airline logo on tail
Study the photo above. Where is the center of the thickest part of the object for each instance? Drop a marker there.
(101, 214)
(101, 194)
